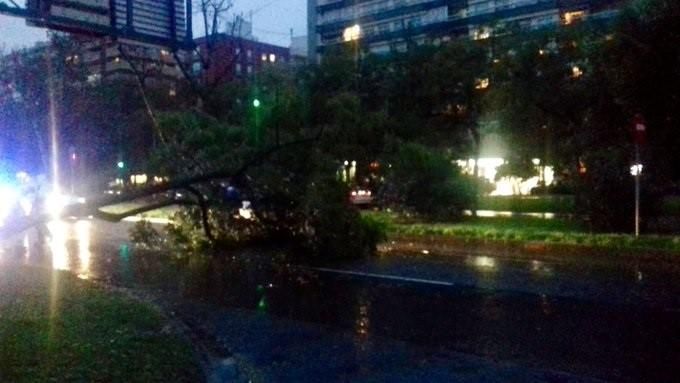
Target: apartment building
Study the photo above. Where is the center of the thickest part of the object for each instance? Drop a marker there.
(384, 25)
(105, 58)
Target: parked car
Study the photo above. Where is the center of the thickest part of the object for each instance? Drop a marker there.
(362, 197)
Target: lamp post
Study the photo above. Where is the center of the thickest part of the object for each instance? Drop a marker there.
(639, 132)
(636, 171)
(352, 34)
(256, 106)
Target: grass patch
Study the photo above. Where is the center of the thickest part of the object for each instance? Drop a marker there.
(524, 229)
(54, 327)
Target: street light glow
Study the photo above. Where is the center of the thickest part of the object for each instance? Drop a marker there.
(121, 164)
(256, 103)
(352, 33)
(636, 170)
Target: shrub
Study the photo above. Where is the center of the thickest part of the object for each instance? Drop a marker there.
(428, 183)
(144, 235)
(334, 229)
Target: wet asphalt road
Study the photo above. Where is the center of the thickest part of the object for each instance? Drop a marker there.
(616, 320)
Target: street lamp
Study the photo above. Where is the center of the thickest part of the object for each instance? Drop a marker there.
(636, 170)
(351, 33)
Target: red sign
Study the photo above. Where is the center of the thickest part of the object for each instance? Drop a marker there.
(639, 129)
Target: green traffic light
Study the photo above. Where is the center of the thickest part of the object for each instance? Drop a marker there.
(121, 164)
(256, 103)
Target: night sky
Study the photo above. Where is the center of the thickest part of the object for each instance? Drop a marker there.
(272, 22)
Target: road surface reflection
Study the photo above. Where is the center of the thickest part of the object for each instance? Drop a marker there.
(69, 246)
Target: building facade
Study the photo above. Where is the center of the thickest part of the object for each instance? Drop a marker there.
(105, 58)
(234, 57)
(228, 58)
(385, 25)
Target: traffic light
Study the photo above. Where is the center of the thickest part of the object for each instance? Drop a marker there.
(121, 164)
(256, 103)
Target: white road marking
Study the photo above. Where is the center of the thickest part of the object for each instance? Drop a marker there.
(383, 276)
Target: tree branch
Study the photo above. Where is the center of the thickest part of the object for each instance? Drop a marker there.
(95, 204)
(142, 90)
(205, 218)
(117, 217)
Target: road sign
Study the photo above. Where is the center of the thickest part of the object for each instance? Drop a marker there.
(160, 22)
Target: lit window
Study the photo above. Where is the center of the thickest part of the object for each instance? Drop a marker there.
(264, 57)
(272, 57)
(250, 69)
(249, 54)
(238, 68)
(164, 52)
(572, 17)
(238, 50)
(482, 83)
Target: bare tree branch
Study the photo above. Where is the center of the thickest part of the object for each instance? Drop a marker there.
(139, 76)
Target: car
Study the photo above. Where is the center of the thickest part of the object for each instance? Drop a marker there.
(361, 197)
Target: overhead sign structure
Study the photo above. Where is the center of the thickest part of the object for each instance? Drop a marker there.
(160, 22)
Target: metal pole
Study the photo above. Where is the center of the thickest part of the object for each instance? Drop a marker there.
(638, 171)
